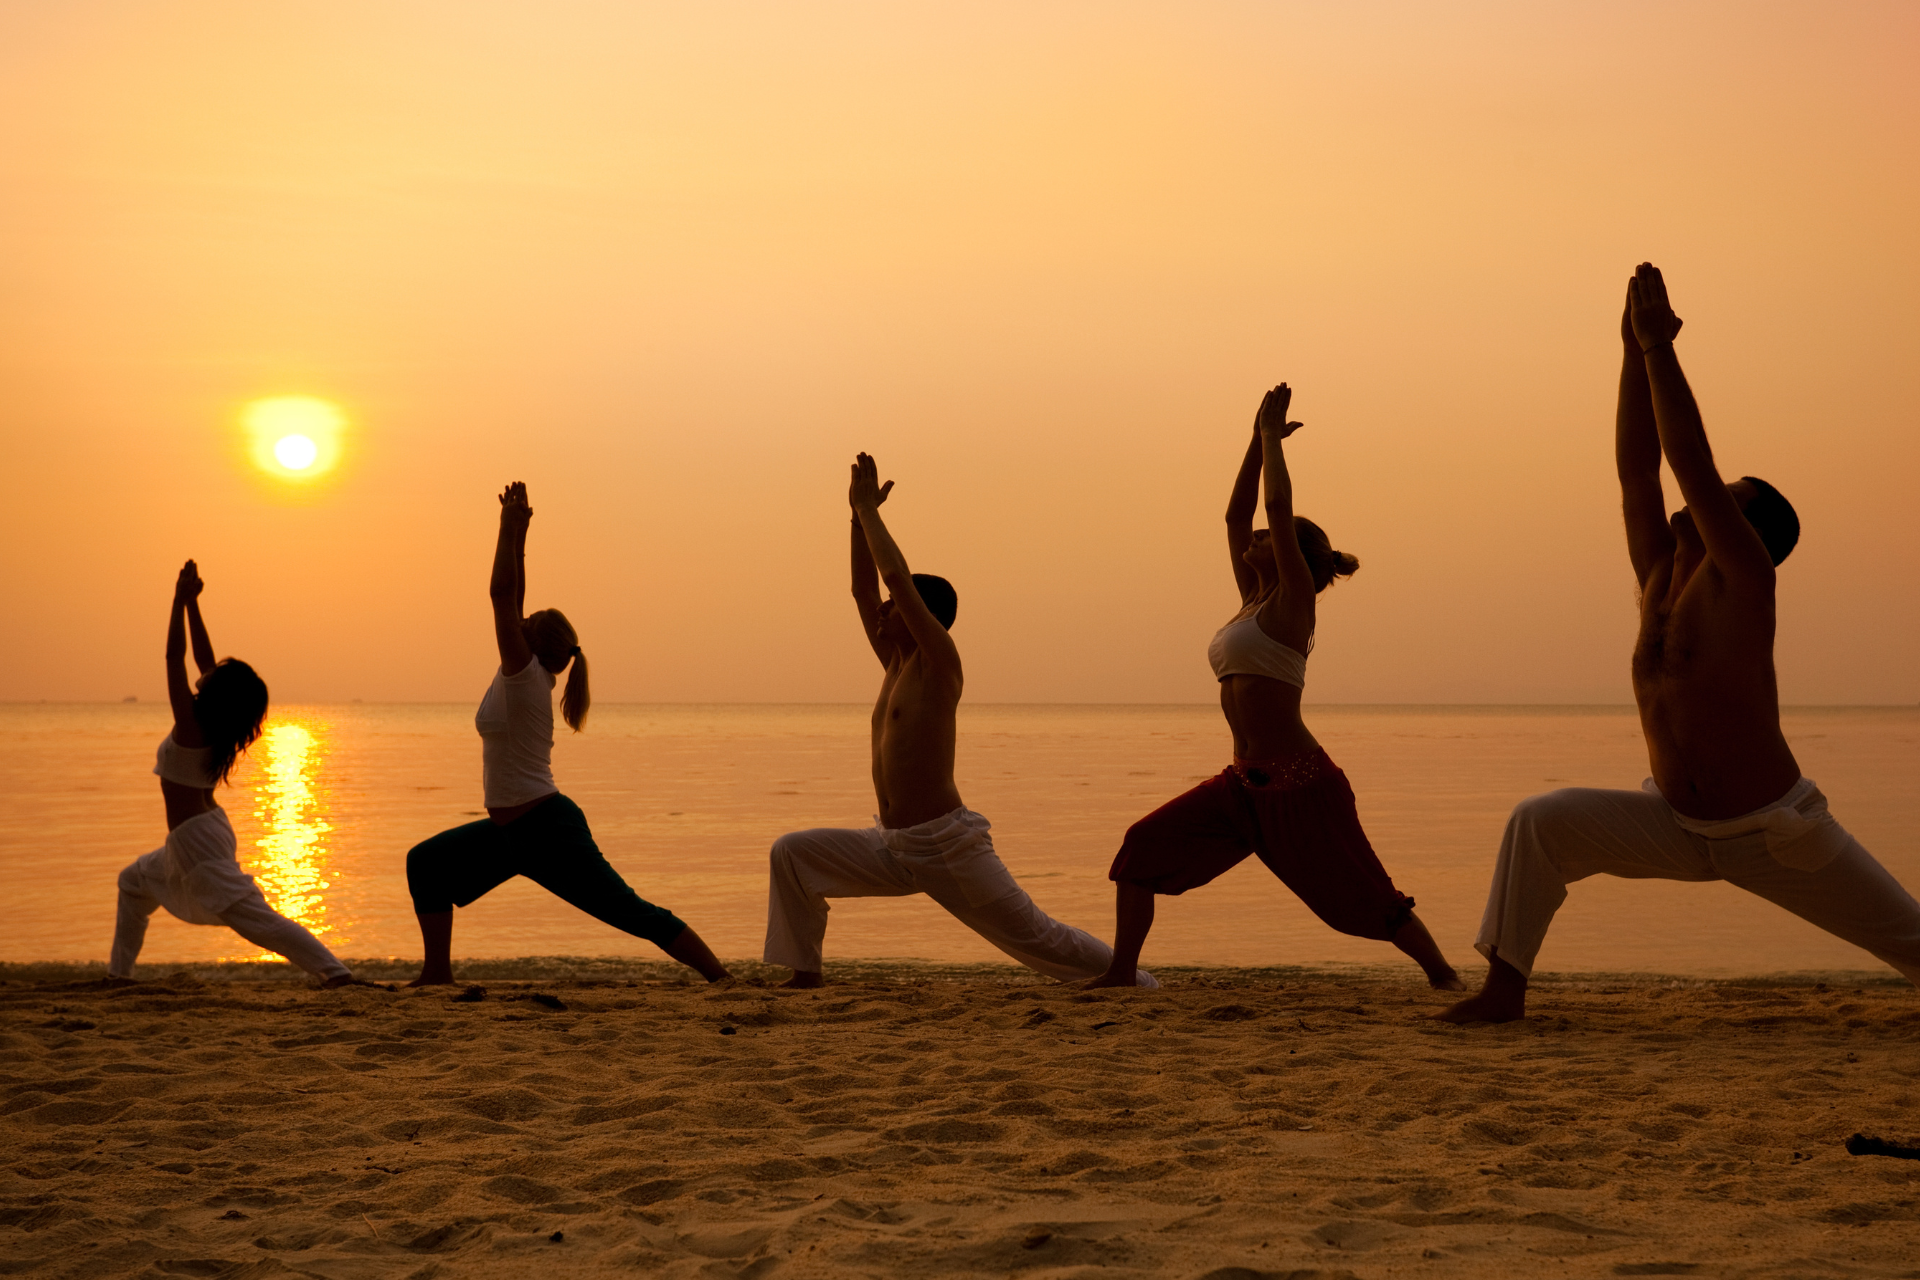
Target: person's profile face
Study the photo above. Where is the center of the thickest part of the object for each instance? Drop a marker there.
(1259, 552)
(892, 626)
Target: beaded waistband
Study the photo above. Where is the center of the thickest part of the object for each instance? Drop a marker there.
(1284, 773)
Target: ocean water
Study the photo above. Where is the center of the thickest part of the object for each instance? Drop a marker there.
(685, 800)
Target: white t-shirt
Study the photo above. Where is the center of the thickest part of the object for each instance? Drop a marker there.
(515, 721)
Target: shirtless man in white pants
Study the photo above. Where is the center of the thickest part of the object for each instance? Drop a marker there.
(926, 841)
(1726, 800)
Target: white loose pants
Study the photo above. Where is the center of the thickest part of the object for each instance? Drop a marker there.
(1567, 835)
(197, 878)
(950, 859)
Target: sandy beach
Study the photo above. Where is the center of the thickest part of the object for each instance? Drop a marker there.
(605, 1117)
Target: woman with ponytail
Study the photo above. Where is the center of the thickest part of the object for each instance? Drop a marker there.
(1282, 798)
(530, 829)
(196, 875)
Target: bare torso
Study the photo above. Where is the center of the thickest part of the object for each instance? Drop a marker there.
(1264, 713)
(1704, 681)
(184, 802)
(913, 741)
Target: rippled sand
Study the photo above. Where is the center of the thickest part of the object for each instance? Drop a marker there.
(922, 1120)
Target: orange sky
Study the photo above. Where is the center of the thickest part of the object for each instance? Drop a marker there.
(672, 265)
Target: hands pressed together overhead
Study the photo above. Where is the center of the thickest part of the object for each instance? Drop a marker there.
(1649, 321)
(1272, 416)
(513, 503)
(865, 489)
(187, 586)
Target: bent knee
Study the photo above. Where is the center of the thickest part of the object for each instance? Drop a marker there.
(790, 849)
(1552, 808)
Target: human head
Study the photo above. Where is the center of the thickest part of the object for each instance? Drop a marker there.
(555, 644)
(229, 702)
(1323, 562)
(1771, 516)
(939, 597)
(936, 593)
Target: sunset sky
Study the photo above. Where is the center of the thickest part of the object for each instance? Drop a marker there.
(672, 265)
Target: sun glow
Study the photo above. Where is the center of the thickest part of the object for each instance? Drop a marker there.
(294, 437)
(291, 854)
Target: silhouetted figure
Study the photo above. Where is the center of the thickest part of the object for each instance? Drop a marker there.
(1282, 798)
(1726, 800)
(926, 840)
(531, 829)
(196, 875)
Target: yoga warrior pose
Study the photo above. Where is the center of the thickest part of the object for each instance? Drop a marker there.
(925, 840)
(1726, 800)
(196, 875)
(1282, 798)
(531, 829)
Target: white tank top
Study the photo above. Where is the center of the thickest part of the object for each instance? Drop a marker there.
(1241, 648)
(515, 721)
(186, 766)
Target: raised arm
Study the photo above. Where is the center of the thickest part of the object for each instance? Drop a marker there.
(186, 726)
(866, 578)
(197, 631)
(937, 650)
(1732, 543)
(1636, 456)
(1291, 609)
(1240, 508)
(508, 586)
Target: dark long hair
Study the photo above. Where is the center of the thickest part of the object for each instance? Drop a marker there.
(556, 645)
(1323, 561)
(228, 707)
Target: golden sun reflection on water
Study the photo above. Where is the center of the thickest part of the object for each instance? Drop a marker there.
(290, 857)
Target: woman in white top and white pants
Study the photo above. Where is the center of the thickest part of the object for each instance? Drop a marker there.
(531, 829)
(196, 875)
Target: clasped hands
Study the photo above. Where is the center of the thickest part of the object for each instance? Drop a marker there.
(1648, 321)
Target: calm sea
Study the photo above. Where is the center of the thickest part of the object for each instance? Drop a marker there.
(685, 800)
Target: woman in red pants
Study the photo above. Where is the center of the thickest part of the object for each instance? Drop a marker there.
(1282, 798)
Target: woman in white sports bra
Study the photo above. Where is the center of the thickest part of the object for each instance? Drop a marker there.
(1282, 798)
(196, 874)
(530, 829)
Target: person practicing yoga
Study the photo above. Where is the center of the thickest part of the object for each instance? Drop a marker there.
(196, 875)
(925, 839)
(1726, 800)
(530, 829)
(1282, 798)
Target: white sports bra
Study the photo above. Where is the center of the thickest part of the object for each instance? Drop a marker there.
(186, 766)
(1241, 648)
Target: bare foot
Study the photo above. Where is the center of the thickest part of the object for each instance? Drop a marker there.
(1447, 981)
(1502, 999)
(1108, 979)
(433, 980)
(804, 979)
(1485, 1007)
(348, 980)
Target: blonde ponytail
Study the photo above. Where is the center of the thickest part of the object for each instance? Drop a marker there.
(575, 700)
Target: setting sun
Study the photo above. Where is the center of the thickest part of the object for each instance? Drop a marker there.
(294, 437)
(296, 453)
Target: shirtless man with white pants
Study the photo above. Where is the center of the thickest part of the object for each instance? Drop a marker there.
(1726, 800)
(925, 839)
